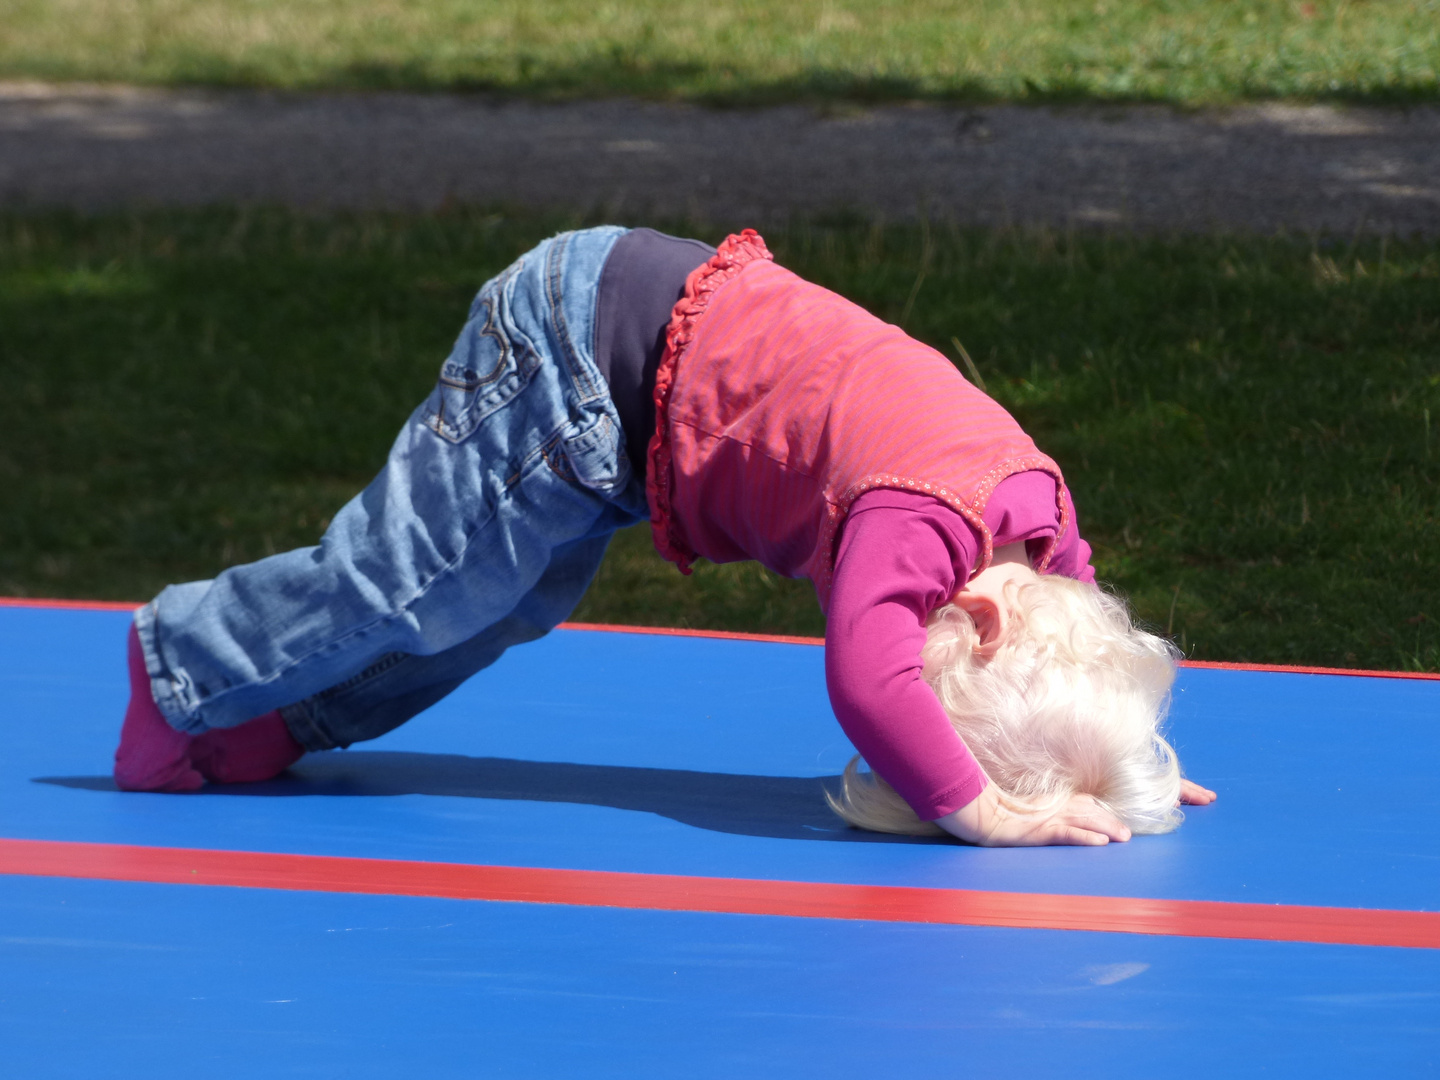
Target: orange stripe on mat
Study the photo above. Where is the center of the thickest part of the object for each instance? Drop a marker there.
(665, 892)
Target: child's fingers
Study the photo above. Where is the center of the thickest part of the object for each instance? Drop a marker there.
(1102, 820)
(1195, 795)
(1108, 832)
(1086, 815)
(1074, 836)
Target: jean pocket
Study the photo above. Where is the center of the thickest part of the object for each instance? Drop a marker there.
(592, 458)
(488, 366)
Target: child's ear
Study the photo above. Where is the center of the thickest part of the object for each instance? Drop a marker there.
(990, 618)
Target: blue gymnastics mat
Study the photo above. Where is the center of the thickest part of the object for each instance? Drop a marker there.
(681, 756)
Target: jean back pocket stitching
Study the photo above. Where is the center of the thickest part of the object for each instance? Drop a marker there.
(512, 361)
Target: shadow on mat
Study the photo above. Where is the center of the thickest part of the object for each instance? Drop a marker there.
(781, 807)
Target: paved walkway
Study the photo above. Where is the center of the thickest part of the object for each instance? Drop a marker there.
(1254, 168)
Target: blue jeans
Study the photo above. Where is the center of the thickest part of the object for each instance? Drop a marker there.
(482, 531)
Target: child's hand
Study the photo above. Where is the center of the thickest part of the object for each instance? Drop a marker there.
(992, 820)
(1195, 795)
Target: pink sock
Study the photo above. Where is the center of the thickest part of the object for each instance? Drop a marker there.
(152, 755)
(256, 750)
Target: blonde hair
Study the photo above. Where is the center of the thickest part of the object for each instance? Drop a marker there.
(1070, 702)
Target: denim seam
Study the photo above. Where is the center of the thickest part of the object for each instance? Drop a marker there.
(527, 464)
(554, 260)
(312, 709)
(583, 385)
(379, 667)
(305, 728)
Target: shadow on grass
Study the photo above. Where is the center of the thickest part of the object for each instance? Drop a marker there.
(624, 72)
(776, 807)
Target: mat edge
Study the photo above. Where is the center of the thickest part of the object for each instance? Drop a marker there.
(771, 639)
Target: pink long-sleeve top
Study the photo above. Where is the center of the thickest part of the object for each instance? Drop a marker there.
(901, 556)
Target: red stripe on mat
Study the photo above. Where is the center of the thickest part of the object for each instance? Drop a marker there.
(782, 639)
(71, 605)
(1289, 669)
(665, 892)
(1218, 665)
(671, 631)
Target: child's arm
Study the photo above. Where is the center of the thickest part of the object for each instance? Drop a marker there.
(892, 569)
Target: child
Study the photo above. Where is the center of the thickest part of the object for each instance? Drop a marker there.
(609, 376)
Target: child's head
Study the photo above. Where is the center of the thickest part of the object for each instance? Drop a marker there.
(1055, 691)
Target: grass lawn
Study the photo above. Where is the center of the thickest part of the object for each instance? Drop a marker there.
(1251, 426)
(744, 51)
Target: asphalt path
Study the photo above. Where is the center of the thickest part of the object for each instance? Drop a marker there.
(1253, 168)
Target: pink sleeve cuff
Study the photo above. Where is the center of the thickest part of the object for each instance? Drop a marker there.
(961, 796)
